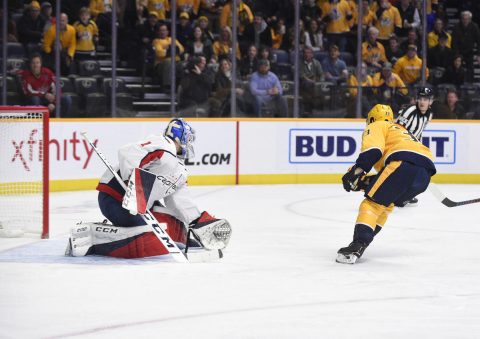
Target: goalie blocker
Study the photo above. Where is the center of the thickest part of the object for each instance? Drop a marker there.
(95, 238)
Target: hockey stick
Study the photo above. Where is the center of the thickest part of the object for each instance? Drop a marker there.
(149, 219)
(446, 201)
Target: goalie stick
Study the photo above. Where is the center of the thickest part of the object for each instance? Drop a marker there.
(150, 220)
(446, 201)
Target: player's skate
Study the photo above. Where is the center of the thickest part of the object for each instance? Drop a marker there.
(351, 253)
(410, 202)
(212, 233)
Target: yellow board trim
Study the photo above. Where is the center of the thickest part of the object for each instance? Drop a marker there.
(246, 179)
(269, 179)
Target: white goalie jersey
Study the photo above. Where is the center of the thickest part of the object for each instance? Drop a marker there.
(157, 155)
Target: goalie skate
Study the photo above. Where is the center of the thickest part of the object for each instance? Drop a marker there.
(80, 240)
(213, 234)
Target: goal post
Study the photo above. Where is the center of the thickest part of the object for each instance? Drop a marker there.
(24, 171)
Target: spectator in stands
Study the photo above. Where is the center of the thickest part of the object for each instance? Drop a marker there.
(257, 32)
(265, 53)
(220, 101)
(198, 45)
(388, 20)
(286, 9)
(184, 28)
(136, 14)
(162, 64)
(410, 17)
(335, 69)
(368, 17)
(267, 91)
(455, 73)
(337, 15)
(38, 84)
(289, 42)
(409, 67)
(68, 42)
(248, 65)
(208, 9)
(434, 35)
(203, 23)
(87, 36)
(160, 7)
(278, 31)
(389, 87)
(101, 12)
(245, 17)
(98, 7)
(196, 86)
(46, 14)
(30, 25)
(12, 35)
(189, 6)
(148, 31)
(412, 39)
(367, 90)
(310, 11)
(314, 36)
(373, 52)
(354, 18)
(271, 9)
(450, 109)
(438, 13)
(465, 39)
(440, 55)
(70, 8)
(311, 72)
(223, 46)
(393, 50)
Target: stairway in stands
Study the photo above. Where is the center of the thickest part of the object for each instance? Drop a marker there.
(148, 99)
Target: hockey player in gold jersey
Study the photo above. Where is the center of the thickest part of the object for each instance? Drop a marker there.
(404, 166)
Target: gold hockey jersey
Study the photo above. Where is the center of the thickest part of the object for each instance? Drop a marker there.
(384, 141)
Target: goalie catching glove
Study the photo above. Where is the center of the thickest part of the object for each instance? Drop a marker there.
(353, 180)
(212, 233)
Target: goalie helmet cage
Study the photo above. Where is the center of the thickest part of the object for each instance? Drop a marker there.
(24, 171)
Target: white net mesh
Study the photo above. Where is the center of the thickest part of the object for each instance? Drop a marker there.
(22, 159)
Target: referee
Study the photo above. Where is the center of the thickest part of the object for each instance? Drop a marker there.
(415, 118)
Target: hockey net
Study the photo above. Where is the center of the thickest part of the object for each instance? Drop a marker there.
(24, 171)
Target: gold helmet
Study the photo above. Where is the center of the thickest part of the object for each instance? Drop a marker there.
(380, 113)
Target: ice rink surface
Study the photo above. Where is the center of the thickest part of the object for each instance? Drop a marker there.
(420, 278)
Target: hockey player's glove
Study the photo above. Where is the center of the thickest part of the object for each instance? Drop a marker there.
(351, 179)
(212, 233)
(364, 181)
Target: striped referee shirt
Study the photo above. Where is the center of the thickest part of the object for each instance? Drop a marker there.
(413, 120)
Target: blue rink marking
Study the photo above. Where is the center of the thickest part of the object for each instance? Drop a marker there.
(51, 251)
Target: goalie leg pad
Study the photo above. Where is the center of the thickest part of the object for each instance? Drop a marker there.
(213, 234)
(175, 228)
(120, 242)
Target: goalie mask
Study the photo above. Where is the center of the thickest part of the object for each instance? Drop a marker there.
(380, 113)
(179, 131)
